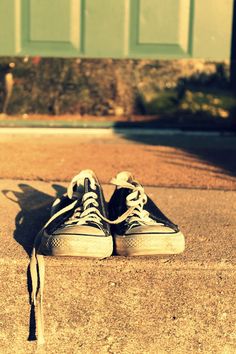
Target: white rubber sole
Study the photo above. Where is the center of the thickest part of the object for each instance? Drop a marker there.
(77, 245)
(149, 244)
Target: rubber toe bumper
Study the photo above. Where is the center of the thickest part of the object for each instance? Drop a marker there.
(149, 244)
(77, 245)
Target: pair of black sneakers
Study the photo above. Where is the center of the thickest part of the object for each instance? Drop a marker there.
(82, 224)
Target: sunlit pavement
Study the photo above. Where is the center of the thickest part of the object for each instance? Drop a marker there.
(169, 159)
(180, 303)
(177, 304)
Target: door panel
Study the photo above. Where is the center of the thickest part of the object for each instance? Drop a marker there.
(161, 28)
(117, 28)
(51, 27)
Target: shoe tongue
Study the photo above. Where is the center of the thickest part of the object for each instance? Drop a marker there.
(87, 185)
(87, 188)
(83, 187)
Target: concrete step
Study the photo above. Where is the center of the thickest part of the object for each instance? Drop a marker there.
(173, 304)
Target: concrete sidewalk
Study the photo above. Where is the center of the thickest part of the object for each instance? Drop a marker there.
(174, 304)
(155, 158)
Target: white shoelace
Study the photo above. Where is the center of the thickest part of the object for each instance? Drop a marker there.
(87, 212)
(135, 201)
(81, 216)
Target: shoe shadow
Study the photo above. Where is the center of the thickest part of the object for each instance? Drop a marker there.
(34, 212)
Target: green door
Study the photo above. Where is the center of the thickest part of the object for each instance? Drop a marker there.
(117, 28)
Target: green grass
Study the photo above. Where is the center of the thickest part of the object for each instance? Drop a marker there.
(217, 103)
(213, 102)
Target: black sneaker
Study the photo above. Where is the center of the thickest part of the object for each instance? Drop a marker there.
(146, 230)
(78, 225)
